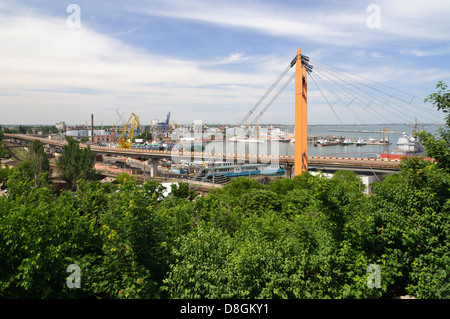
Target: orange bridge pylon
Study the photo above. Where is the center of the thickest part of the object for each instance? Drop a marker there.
(301, 120)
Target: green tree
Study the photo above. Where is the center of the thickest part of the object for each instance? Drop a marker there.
(49, 129)
(438, 147)
(411, 213)
(3, 152)
(146, 136)
(22, 129)
(238, 186)
(4, 173)
(181, 190)
(39, 159)
(76, 163)
(123, 177)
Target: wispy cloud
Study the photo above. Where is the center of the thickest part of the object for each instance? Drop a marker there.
(278, 20)
(51, 66)
(424, 52)
(318, 22)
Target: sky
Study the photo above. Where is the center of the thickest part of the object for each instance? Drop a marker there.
(212, 60)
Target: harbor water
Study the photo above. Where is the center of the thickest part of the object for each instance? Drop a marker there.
(350, 132)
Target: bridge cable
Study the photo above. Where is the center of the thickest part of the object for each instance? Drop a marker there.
(342, 88)
(267, 93)
(387, 86)
(312, 77)
(338, 99)
(391, 104)
(273, 99)
(352, 94)
(391, 96)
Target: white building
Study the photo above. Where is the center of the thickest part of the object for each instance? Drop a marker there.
(61, 126)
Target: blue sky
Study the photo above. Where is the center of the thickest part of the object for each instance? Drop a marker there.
(213, 60)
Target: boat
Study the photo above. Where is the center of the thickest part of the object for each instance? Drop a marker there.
(184, 168)
(246, 140)
(251, 140)
(360, 142)
(406, 146)
(328, 143)
(347, 142)
(178, 169)
(236, 170)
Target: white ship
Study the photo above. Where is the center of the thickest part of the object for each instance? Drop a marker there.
(360, 142)
(347, 141)
(408, 145)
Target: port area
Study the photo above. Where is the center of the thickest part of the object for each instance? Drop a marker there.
(328, 140)
(111, 166)
(196, 176)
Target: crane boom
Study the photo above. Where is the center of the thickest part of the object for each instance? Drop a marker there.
(125, 140)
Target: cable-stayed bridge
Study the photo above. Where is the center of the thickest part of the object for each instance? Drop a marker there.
(362, 97)
(154, 156)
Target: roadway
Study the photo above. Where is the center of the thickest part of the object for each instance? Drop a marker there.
(332, 162)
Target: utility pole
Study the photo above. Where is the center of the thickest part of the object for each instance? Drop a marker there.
(92, 128)
(386, 141)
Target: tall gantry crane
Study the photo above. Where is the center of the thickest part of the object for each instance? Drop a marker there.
(131, 127)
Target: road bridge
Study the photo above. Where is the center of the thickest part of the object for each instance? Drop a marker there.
(374, 165)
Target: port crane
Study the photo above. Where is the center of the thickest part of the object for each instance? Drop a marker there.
(122, 122)
(131, 127)
(164, 126)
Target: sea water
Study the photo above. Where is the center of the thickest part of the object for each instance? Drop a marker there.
(342, 131)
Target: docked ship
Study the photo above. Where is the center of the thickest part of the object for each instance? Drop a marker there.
(347, 141)
(230, 169)
(406, 146)
(236, 170)
(327, 143)
(360, 142)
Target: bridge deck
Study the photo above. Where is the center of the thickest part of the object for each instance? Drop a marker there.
(330, 161)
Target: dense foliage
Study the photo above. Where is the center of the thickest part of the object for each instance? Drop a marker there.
(3, 152)
(76, 163)
(305, 237)
(439, 147)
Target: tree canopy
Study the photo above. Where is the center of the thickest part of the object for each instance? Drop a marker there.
(438, 147)
(76, 163)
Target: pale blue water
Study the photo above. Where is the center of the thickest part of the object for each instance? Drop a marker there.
(354, 150)
(395, 131)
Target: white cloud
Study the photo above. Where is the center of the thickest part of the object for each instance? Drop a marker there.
(74, 72)
(319, 22)
(233, 58)
(422, 52)
(270, 19)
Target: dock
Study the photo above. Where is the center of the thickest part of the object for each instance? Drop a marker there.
(361, 131)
